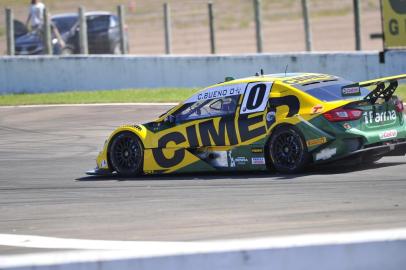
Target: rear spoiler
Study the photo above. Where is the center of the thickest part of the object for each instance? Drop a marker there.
(380, 91)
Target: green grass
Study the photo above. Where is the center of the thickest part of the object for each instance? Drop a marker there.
(113, 96)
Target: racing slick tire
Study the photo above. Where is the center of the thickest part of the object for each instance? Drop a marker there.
(287, 150)
(126, 154)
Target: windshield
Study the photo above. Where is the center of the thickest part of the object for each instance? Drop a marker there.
(64, 24)
(332, 91)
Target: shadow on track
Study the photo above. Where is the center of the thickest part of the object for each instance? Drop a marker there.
(328, 169)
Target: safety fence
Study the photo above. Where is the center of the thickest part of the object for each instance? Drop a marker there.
(181, 26)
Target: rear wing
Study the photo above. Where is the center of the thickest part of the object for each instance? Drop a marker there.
(381, 90)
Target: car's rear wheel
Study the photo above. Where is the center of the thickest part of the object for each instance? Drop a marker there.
(287, 150)
(126, 154)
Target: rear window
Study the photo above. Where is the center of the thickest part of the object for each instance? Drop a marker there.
(331, 91)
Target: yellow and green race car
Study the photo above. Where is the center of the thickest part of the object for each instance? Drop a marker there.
(278, 121)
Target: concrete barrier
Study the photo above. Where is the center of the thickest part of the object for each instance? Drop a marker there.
(48, 74)
(374, 250)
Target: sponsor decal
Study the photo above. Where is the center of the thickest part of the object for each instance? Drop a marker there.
(347, 126)
(258, 161)
(379, 117)
(309, 78)
(241, 160)
(218, 92)
(257, 150)
(326, 153)
(270, 117)
(317, 109)
(317, 141)
(351, 91)
(103, 164)
(389, 134)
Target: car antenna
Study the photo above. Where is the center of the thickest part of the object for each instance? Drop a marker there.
(286, 69)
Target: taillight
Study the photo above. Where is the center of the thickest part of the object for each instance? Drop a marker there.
(399, 105)
(341, 114)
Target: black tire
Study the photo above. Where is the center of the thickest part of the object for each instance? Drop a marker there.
(287, 150)
(126, 154)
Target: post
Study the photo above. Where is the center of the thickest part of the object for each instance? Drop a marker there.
(167, 25)
(47, 38)
(212, 29)
(357, 24)
(258, 24)
(83, 44)
(306, 23)
(123, 36)
(10, 32)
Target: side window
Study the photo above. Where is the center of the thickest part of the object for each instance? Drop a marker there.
(113, 22)
(256, 97)
(98, 23)
(207, 108)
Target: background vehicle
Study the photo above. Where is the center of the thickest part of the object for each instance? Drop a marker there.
(102, 29)
(280, 121)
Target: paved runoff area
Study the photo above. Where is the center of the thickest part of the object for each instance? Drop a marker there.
(45, 151)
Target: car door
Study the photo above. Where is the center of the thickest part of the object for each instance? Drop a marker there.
(98, 34)
(205, 123)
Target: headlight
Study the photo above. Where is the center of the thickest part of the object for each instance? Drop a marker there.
(54, 41)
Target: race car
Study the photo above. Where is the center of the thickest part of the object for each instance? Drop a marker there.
(281, 122)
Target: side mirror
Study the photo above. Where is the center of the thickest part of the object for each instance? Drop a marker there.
(170, 119)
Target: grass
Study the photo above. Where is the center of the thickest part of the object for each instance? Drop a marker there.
(114, 96)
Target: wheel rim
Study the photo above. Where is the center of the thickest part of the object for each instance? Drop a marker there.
(287, 150)
(127, 154)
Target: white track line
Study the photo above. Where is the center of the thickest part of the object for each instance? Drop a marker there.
(89, 105)
(31, 241)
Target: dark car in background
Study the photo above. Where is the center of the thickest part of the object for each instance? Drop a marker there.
(102, 29)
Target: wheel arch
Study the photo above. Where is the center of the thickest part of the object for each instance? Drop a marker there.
(117, 133)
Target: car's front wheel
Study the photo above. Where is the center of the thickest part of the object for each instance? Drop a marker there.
(287, 150)
(126, 154)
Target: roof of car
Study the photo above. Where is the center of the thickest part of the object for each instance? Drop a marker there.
(90, 13)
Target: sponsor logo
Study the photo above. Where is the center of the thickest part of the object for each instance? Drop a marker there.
(326, 153)
(317, 141)
(317, 109)
(379, 117)
(241, 160)
(257, 150)
(103, 164)
(258, 161)
(351, 91)
(270, 116)
(388, 134)
(347, 126)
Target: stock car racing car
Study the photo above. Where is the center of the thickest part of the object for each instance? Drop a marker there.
(279, 121)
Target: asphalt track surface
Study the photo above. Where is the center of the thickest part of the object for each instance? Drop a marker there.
(44, 153)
